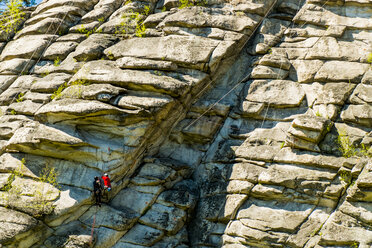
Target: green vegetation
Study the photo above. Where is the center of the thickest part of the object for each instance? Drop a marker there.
(133, 23)
(348, 149)
(41, 194)
(87, 32)
(20, 97)
(57, 61)
(369, 58)
(190, 3)
(75, 93)
(345, 176)
(13, 112)
(12, 16)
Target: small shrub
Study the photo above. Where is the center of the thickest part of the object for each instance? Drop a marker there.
(369, 58)
(190, 3)
(57, 61)
(58, 93)
(348, 149)
(20, 97)
(13, 112)
(133, 23)
(12, 16)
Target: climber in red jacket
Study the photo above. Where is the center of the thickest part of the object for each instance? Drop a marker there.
(107, 182)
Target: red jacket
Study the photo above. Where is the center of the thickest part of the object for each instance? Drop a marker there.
(107, 182)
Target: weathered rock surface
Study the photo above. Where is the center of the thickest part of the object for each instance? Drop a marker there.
(221, 124)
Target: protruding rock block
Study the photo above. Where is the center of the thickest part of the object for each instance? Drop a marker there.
(276, 93)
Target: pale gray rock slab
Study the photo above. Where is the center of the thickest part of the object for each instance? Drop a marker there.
(59, 50)
(103, 9)
(32, 188)
(246, 171)
(201, 131)
(36, 133)
(106, 237)
(50, 83)
(165, 218)
(334, 93)
(66, 170)
(362, 94)
(367, 78)
(26, 107)
(4, 177)
(329, 48)
(359, 210)
(277, 93)
(71, 14)
(360, 114)
(295, 142)
(43, 27)
(11, 95)
(10, 162)
(142, 235)
(70, 205)
(27, 47)
(44, 6)
(156, 171)
(14, 223)
(287, 155)
(341, 71)
(343, 228)
(184, 50)
(308, 43)
(261, 153)
(238, 229)
(154, 19)
(37, 97)
(140, 63)
(108, 72)
(259, 8)
(148, 102)
(100, 92)
(92, 48)
(87, 110)
(292, 176)
(275, 60)
(109, 217)
(5, 82)
(239, 187)
(134, 200)
(16, 66)
(202, 105)
(269, 192)
(233, 203)
(329, 111)
(72, 37)
(180, 198)
(268, 72)
(199, 17)
(332, 15)
(273, 216)
(309, 228)
(24, 82)
(309, 135)
(304, 70)
(310, 122)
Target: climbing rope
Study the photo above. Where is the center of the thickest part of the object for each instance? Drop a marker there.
(41, 55)
(92, 232)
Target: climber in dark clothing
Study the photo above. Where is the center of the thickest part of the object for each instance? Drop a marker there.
(97, 190)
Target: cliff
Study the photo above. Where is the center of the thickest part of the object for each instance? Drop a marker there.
(221, 124)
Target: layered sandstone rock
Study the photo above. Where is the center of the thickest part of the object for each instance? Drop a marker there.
(218, 125)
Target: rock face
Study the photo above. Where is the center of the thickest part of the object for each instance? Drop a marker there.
(221, 124)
